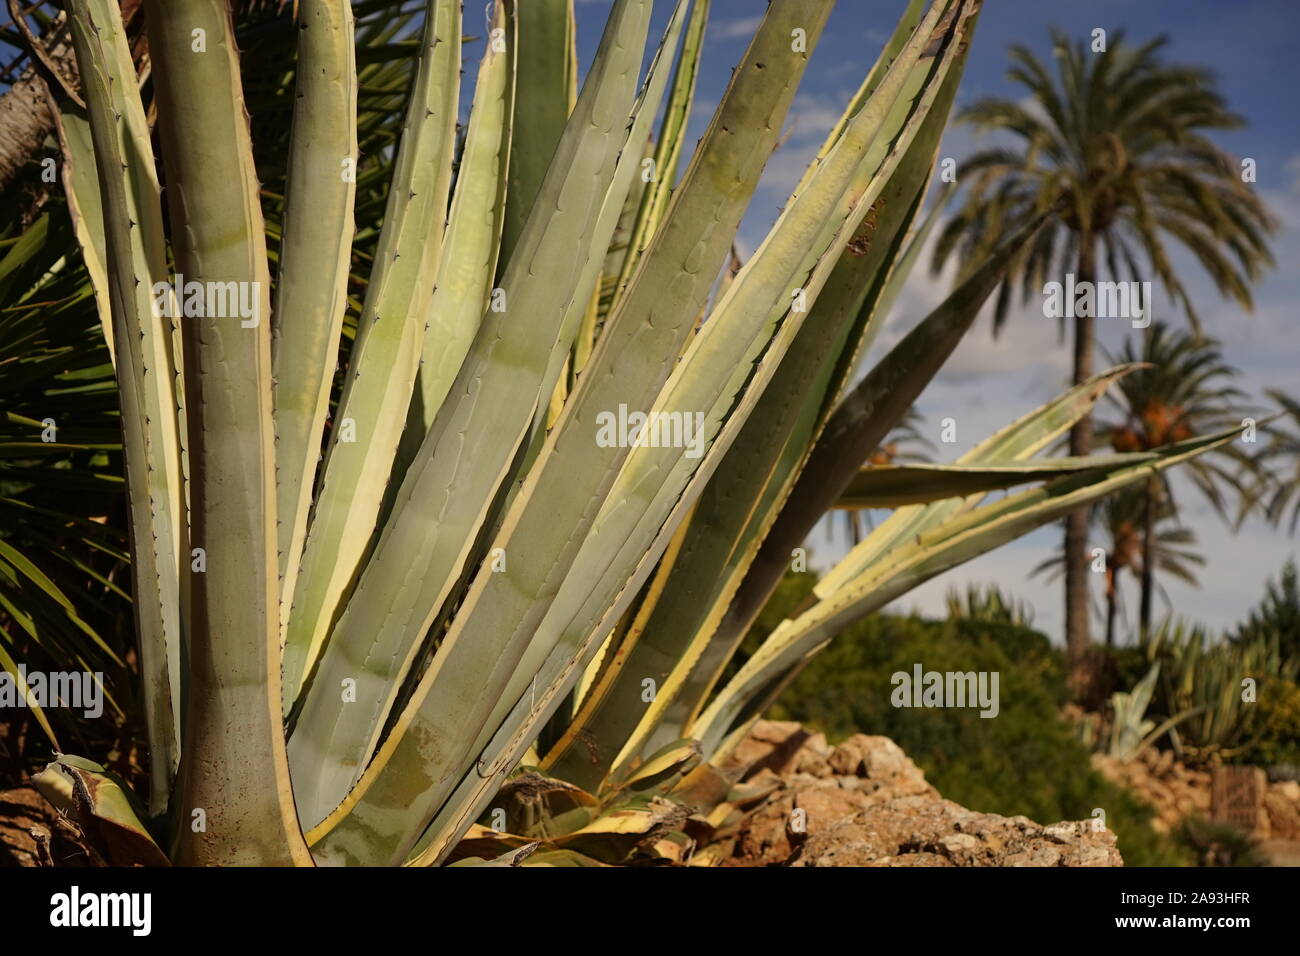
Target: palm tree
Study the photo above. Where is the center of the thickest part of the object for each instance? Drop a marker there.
(1120, 519)
(1185, 391)
(1116, 141)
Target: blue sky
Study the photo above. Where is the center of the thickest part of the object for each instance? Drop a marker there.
(1249, 44)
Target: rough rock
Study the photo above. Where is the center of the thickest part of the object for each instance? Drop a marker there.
(1173, 790)
(875, 808)
(783, 746)
(1282, 809)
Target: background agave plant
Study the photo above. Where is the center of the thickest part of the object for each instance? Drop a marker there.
(1214, 683)
(370, 604)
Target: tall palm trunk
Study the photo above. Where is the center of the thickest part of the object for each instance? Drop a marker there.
(1077, 638)
(1148, 552)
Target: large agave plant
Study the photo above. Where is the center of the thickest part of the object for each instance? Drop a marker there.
(574, 449)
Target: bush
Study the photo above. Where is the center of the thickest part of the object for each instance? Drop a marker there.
(1279, 725)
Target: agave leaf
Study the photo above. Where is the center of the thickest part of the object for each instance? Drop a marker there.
(463, 288)
(511, 850)
(377, 392)
(586, 297)
(134, 256)
(315, 257)
(103, 807)
(899, 267)
(567, 858)
(86, 209)
(514, 857)
(545, 92)
(147, 372)
(1165, 726)
(1130, 725)
(890, 486)
(743, 499)
(903, 30)
(636, 828)
(632, 821)
(615, 255)
(757, 312)
(238, 780)
(1033, 432)
(662, 771)
(919, 71)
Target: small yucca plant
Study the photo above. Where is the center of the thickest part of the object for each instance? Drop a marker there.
(566, 466)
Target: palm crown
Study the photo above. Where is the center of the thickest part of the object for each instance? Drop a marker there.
(1120, 140)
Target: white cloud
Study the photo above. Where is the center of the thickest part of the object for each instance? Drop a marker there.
(734, 29)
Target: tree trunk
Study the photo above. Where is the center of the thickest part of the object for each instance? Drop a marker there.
(1077, 637)
(26, 121)
(1148, 552)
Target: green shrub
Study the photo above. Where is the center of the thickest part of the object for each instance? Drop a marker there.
(1279, 725)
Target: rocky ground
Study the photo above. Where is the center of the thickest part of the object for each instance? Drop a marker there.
(1177, 792)
(864, 803)
(32, 833)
